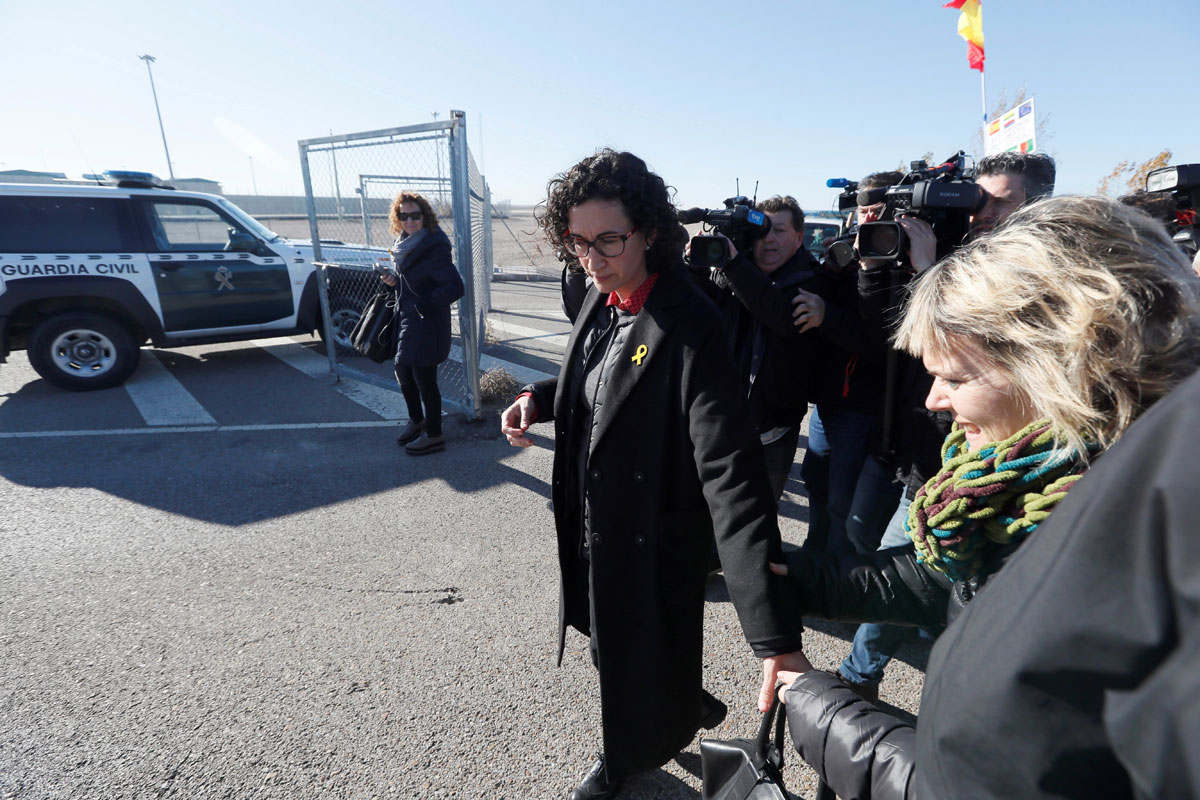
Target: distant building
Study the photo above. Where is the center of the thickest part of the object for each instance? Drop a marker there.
(30, 176)
(196, 185)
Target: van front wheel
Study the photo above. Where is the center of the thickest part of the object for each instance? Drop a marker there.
(82, 351)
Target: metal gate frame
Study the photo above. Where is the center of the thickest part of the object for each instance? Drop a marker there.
(471, 317)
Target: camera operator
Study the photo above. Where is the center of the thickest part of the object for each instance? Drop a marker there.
(908, 446)
(754, 292)
(848, 394)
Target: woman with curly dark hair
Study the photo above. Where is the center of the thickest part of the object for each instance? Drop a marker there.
(654, 456)
(426, 283)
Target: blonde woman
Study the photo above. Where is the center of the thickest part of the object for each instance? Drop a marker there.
(1046, 340)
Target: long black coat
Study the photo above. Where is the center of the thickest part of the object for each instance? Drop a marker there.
(673, 460)
(429, 283)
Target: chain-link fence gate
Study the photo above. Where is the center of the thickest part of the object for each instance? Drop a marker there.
(349, 183)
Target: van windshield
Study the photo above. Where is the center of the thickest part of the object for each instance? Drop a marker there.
(249, 221)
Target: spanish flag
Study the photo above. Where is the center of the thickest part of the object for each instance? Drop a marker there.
(970, 27)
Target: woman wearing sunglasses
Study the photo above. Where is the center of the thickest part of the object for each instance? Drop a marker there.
(653, 457)
(426, 283)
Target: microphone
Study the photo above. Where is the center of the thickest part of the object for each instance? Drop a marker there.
(837, 183)
(692, 215)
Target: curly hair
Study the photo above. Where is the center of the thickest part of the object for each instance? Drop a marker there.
(428, 215)
(610, 175)
(1084, 303)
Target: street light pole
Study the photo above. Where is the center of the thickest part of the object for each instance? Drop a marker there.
(150, 60)
(252, 178)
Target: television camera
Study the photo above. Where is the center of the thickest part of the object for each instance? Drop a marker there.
(738, 221)
(945, 196)
(1183, 182)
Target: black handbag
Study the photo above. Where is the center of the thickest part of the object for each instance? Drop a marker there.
(747, 769)
(372, 334)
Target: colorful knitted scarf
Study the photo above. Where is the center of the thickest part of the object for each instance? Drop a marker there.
(982, 501)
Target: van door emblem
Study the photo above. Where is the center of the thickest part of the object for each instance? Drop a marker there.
(222, 277)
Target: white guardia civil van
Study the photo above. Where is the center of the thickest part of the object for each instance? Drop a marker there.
(89, 273)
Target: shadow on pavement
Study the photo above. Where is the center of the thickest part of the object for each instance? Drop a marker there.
(240, 477)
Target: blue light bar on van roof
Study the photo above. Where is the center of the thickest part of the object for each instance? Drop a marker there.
(131, 179)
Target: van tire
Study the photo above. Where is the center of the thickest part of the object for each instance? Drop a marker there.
(83, 351)
(344, 315)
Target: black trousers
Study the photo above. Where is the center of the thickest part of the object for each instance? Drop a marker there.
(419, 384)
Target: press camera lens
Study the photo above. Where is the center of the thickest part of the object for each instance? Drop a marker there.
(880, 240)
(707, 251)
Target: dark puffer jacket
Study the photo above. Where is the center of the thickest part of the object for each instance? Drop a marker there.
(429, 283)
(886, 586)
(1074, 675)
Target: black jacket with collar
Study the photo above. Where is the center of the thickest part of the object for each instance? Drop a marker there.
(672, 461)
(775, 360)
(850, 356)
(429, 283)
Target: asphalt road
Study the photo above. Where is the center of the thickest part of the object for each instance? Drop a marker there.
(239, 586)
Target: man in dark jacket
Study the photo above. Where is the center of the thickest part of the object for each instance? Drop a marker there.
(775, 360)
(1074, 674)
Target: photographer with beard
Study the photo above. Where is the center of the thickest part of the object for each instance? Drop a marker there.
(776, 361)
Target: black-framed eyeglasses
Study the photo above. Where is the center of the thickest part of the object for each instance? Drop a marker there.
(406, 215)
(609, 245)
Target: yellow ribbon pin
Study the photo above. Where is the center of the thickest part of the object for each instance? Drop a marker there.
(639, 355)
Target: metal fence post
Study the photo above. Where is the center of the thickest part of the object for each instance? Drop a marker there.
(310, 206)
(488, 262)
(362, 198)
(460, 183)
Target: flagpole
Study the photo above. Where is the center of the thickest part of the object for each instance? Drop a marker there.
(983, 96)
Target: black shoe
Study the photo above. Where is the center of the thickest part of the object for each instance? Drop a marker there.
(426, 444)
(410, 432)
(595, 785)
(712, 711)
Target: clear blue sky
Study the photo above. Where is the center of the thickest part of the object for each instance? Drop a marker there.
(786, 93)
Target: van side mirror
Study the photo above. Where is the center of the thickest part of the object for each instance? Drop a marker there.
(240, 242)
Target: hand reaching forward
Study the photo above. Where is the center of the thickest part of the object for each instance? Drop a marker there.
(516, 419)
(809, 311)
(774, 668)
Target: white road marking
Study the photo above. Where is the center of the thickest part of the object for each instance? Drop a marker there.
(510, 330)
(387, 403)
(160, 397)
(486, 362)
(541, 313)
(294, 426)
